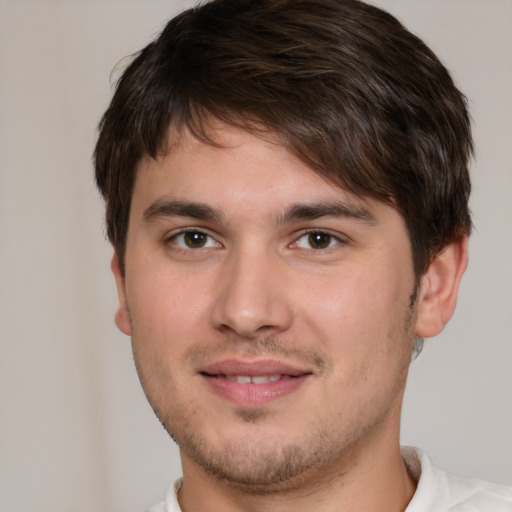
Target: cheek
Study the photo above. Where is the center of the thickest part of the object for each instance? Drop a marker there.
(342, 303)
(166, 310)
(358, 315)
(164, 313)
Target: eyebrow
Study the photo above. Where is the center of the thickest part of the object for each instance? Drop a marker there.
(296, 212)
(200, 211)
(313, 211)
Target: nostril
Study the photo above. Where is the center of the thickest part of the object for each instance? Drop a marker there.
(265, 328)
(249, 306)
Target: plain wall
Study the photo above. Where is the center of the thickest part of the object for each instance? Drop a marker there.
(76, 433)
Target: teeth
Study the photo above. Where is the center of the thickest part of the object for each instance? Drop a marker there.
(243, 379)
(257, 379)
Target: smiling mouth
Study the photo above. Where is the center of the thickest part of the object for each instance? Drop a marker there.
(252, 385)
(252, 379)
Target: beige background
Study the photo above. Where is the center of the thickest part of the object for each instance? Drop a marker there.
(76, 433)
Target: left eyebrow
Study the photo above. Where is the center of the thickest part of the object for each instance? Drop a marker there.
(200, 211)
(313, 211)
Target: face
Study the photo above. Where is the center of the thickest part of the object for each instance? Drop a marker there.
(270, 310)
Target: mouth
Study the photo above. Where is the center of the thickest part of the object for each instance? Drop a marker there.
(256, 379)
(254, 384)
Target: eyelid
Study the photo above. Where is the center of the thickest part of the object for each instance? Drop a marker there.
(169, 237)
(175, 233)
(338, 237)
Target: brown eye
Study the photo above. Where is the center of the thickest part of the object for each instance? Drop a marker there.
(319, 240)
(195, 239)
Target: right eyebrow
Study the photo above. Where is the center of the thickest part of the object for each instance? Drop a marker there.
(170, 208)
(314, 211)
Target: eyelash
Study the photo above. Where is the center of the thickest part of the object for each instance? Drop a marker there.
(183, 232)
(333, 239)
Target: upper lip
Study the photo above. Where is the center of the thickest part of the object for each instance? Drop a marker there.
(253, 368)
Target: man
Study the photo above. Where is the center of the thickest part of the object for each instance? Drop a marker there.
(286, 187)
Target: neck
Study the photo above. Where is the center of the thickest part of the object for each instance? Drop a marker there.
(369, 479)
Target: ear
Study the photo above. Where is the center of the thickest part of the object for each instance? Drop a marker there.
(439, 288)
(122, 317)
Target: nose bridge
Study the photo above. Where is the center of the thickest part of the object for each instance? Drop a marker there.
(252, 296)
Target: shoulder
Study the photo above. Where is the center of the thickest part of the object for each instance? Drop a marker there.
(439, 491)
(157, 508)
(171, 500)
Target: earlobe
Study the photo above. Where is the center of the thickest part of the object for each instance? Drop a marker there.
(439, 288)
(122, 317)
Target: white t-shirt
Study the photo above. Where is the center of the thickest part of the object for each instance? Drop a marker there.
(437, 490)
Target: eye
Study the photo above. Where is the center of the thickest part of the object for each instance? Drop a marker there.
(193, 239)
(316, 240)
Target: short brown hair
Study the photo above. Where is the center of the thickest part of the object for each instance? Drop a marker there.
(344, 85)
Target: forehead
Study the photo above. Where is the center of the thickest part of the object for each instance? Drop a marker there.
(248, 187)
(243, 176)
(232, 159)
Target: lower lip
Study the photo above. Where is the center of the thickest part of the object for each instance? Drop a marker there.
(254, 395)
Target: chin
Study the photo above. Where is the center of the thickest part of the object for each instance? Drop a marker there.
(253, 467)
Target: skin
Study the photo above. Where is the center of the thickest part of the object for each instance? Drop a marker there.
(251, 283)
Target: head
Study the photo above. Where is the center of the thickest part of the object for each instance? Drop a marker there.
(345, 87)
(283, 179)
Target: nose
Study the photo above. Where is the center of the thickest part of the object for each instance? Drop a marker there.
(252, 296)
